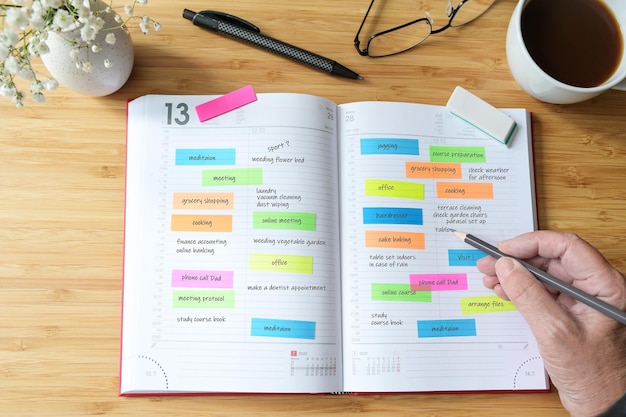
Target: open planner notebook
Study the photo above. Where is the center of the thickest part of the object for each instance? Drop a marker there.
(298, 246)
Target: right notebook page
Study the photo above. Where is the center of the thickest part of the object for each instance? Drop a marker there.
(416, 316)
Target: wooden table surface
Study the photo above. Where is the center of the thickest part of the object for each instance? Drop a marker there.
(62, 179)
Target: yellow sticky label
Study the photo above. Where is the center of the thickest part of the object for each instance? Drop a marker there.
(485, 304)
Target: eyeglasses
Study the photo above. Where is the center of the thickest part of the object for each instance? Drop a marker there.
(396, 38)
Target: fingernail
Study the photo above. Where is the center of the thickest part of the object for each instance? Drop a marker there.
(504, 266)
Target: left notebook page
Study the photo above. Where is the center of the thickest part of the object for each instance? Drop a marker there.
(231, 264)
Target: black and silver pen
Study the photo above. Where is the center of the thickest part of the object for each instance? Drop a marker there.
(245, 31)
(576, 293)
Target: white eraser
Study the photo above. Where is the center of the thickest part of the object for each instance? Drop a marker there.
(482, 115)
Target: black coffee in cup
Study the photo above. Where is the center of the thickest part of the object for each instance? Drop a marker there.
(577, 42)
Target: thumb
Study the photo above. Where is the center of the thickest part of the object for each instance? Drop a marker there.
(530, 297)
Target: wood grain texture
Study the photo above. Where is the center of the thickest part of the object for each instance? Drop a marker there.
(62, 179)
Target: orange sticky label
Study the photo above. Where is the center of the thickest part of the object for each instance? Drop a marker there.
(201, 223)
(204, 201)
(433, 170)
(392, 239)
(465, 190)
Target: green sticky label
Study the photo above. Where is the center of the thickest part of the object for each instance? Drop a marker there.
(457, 154)
(399, 292)
(398, 189)
(485, 304)
(282, 220)
(237, 176)
(203, 299)
(281, 263)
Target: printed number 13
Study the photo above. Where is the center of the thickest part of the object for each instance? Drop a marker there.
(182, 113)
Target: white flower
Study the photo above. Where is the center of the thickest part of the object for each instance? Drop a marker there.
(36, 17)
(142, 2)
(9, 37)
(36, 93)
(7, 90)
(87, 67)
(82, 8)
(128, 9)
(91, 27)
(157, 26)
(36, 86)
(108, 63)
(38, 46)
(51, 84)
(110, 38)
(144, 24)
(26, 73)
(17, 17)
(11, 65)
(74, 54)
(63, 19)
(38, 97)
(18, 99)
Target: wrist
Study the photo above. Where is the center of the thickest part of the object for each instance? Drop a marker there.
(600, 398)
(618, 409)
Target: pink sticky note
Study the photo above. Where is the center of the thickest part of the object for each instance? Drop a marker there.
(225, 103)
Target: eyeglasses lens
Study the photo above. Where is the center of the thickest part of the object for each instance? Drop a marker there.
(400, 39)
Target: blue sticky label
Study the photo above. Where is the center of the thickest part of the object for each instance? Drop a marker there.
(391, 215)
(464, 257)
(446, 328)
(389, 146)
(205, 156)
(293, 329)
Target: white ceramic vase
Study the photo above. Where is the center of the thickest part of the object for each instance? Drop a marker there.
(101, 80)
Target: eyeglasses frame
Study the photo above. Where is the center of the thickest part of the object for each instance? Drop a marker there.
(450, 11)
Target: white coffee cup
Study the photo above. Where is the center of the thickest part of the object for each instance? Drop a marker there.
(534, 81)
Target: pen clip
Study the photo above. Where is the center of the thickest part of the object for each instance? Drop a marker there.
(229, 18)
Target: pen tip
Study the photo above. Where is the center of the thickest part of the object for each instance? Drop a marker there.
(360, 78)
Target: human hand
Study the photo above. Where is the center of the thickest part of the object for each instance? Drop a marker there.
(583, 350)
